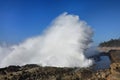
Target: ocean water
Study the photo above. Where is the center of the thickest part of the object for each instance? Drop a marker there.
(103, 63)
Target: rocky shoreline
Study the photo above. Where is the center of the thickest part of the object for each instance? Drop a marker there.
(36, 72)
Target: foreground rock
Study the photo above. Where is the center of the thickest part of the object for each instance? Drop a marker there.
(36, 72)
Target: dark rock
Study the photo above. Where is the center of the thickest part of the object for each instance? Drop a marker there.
(86, 74)
(115, 56)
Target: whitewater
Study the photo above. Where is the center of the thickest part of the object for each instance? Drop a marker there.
(62, 44)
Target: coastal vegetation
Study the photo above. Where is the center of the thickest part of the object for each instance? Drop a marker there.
(110, 43)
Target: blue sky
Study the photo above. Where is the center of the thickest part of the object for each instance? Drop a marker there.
(21, 19)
